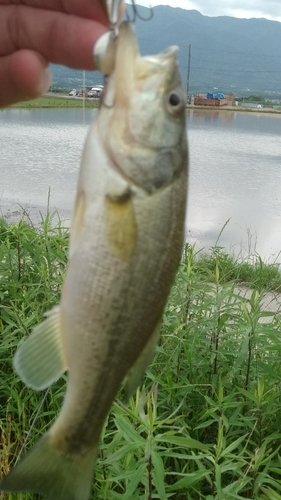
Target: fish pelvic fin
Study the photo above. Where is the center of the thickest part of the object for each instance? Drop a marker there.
(40, 360)
(136, 373)
(47, 471)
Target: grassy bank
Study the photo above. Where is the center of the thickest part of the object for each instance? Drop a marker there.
(206, 423)
(57, 102)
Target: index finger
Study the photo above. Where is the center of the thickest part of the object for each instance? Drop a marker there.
(90, 9)
(60, 38)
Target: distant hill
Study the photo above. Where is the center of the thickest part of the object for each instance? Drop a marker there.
(233, 55)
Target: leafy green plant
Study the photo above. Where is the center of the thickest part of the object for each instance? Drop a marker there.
(206, 423)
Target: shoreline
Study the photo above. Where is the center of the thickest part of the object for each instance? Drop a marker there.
(235, 109)
(54, 100)
(36, 217)
(13, 212)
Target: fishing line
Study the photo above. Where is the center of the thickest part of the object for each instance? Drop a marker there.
(32, 425)
(84, 96)
(136, 14)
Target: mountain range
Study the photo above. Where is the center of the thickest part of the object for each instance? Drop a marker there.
(241, 56)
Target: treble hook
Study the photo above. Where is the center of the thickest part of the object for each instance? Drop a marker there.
(104, 49)
(114, 11)
(136, 13)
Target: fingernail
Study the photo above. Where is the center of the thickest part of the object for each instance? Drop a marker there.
(44, 81)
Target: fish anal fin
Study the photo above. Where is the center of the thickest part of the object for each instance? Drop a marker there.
(77, 221)
(40, 360)
(136, 373)
(120, 223)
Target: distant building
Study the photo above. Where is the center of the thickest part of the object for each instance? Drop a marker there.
(216, 100)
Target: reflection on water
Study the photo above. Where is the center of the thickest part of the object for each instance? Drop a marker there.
(235, 169)
(235, 174)
(41, 149)
(210, 115)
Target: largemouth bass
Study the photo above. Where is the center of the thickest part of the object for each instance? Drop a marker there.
(125, 245)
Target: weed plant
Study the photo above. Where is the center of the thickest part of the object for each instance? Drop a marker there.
(206, 422)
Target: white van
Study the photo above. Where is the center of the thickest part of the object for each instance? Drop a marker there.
(95, 91)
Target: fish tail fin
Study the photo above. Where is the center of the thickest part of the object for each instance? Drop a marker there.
(47, 471)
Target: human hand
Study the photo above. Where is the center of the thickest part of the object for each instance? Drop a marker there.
(36, 32)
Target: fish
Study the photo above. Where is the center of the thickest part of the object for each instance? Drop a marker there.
(126, 240)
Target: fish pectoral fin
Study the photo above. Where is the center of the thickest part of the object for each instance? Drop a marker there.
(40, 360)
(121, 229)
(136, 373)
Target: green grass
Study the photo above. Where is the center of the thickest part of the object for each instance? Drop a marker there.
(206, 423)
(57, 102)
(254, 273)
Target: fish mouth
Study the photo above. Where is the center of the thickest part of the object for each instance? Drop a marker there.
(129, 66)
(164, 56)
(142, 132)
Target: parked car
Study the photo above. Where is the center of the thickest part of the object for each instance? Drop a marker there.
(73, 93)
(95, 91)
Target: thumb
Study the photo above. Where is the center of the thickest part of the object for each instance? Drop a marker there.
(23, 75)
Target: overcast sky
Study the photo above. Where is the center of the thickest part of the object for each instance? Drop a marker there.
(270, 9)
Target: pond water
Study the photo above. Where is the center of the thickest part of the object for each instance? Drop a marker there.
(235, 171)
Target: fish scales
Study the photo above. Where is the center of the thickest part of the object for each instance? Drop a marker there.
(126, 240)
(115, 318)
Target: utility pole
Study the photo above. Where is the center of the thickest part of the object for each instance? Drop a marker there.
(188, 69)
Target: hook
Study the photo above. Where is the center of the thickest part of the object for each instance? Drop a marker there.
(136, 13)
(114, 13)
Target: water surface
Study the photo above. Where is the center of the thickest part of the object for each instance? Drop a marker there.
(235, 173)
(235, 170)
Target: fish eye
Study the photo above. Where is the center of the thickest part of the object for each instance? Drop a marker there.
(175, 100)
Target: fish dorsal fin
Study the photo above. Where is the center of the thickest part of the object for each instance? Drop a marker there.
(40, 360)
(135, 375)
(77, 221)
